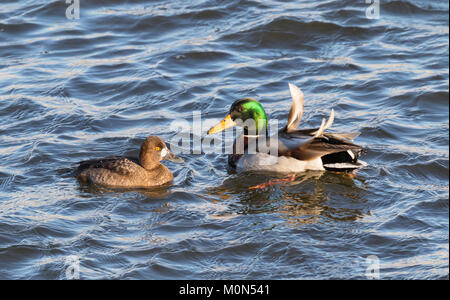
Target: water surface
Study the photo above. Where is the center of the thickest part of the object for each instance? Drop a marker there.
(97, 86)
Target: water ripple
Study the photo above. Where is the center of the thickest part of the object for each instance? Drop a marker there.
(77, 89)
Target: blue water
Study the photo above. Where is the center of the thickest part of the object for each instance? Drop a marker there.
(96, 86)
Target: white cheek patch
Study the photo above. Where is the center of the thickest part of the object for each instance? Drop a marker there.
(163, 152)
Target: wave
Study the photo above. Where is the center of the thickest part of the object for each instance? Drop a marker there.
(414, 7)
(292, 32)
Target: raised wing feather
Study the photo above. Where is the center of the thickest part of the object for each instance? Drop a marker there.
(296, 111)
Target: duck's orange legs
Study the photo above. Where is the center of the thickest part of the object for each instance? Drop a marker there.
(271, 182)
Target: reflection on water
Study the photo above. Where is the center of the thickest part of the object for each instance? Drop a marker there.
(160, 192)
(302, 201)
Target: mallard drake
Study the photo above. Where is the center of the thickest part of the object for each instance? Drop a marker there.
(129, 172)
(296, 150)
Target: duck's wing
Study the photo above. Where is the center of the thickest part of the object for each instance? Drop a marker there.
(309, 144)
(315, 147)
(344, 136)
(117, 164)
(296, 111)
(311, 132)
(314, 144)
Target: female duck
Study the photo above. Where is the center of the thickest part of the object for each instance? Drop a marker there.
(126, 172)
(295, 150)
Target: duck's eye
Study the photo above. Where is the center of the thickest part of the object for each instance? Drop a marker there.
(157, 149)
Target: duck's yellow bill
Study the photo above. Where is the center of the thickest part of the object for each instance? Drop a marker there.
(224, 124)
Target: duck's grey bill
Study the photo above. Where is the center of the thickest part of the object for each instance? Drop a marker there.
(172, 157)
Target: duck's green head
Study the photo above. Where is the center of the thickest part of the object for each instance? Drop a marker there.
(247, 113)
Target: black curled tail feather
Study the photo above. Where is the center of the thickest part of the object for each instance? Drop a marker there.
(344, 161)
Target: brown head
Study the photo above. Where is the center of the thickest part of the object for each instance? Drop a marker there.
(153, 150)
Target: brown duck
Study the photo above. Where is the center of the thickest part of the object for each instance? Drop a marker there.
(127, 172)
